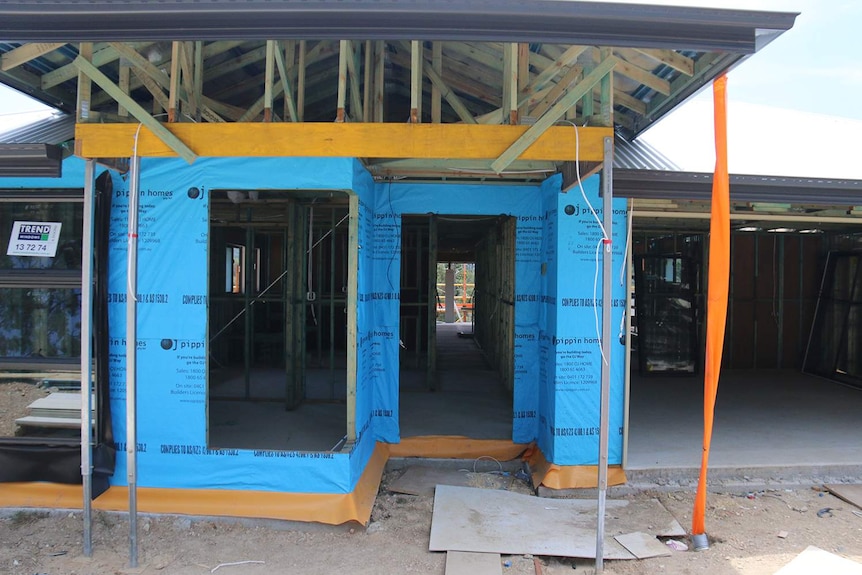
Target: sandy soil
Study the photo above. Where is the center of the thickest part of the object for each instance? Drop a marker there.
(745, 530)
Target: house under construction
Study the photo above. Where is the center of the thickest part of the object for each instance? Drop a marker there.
(258, 198)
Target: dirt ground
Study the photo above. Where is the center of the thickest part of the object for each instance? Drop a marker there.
(750, 534)
(15, 396)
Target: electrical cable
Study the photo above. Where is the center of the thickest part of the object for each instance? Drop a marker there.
(133, 213)
(581, 186)
(328, 232)
(605, 240)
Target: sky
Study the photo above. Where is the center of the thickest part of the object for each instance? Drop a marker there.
(16, 109)
(793, 107)
(779, 98)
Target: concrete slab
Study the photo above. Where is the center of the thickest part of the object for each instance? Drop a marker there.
(763, 418)
(815, 560)
(421, 480)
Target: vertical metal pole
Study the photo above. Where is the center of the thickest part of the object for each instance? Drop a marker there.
(342, 81)
(352, 298)
(416, 50)
(87, 354)
(826, 270)
(754, 299)
(131, 359)
(628, 332)
(431, 310)
(800, 339)
(247, 282)
(332, 226)
(780, 311)
(607, 278)
(731, 298)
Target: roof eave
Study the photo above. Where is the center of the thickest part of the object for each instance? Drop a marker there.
(608, 24)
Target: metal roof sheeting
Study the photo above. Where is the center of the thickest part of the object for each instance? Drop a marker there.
(639, 155)
(594, 23)
(670, 185)
(56, 129)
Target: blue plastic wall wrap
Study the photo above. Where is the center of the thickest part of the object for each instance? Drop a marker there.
(393, 201)
(172, 329)
(557, 350)
(367, 353)
(571, 344)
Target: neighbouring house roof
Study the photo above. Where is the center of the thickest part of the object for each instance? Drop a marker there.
(650, 184)
(56, 129)
(640, 155)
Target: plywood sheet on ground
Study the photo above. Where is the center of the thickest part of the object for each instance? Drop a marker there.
(464, 563)
(849, 493)
(491, 521)
(420, 480)
(643, 545)
(816, 560)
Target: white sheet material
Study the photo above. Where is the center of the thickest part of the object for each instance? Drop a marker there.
(492, 521)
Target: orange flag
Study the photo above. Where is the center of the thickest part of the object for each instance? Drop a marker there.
(719, 275)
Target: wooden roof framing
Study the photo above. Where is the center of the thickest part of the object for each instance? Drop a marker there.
(352, 79)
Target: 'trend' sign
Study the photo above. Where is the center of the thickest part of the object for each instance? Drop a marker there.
(38, 239)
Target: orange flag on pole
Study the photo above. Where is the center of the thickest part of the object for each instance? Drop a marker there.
(717, 290)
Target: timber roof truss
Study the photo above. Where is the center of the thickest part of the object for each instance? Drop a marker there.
(163, 76)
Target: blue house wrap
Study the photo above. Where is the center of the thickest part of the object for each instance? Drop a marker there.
(557, 338)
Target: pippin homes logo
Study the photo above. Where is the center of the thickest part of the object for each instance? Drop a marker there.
(169, 344)
(37, 239)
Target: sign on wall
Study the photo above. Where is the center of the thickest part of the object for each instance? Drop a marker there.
(38, 239)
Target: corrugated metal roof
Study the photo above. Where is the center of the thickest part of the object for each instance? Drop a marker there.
(639, 155)
(594, 23)
(697, 186)
(56, 129)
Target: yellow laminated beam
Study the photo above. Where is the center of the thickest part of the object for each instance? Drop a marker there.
(355, 140)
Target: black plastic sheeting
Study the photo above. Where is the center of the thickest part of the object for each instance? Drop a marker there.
(24, 459)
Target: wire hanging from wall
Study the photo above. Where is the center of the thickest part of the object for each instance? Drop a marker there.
(603, 241)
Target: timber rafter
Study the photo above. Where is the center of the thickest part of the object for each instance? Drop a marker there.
(352, 81)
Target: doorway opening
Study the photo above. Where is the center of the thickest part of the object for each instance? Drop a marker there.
(278, 283)
(457, 326)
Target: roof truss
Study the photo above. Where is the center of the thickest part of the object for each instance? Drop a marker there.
(349, 79)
